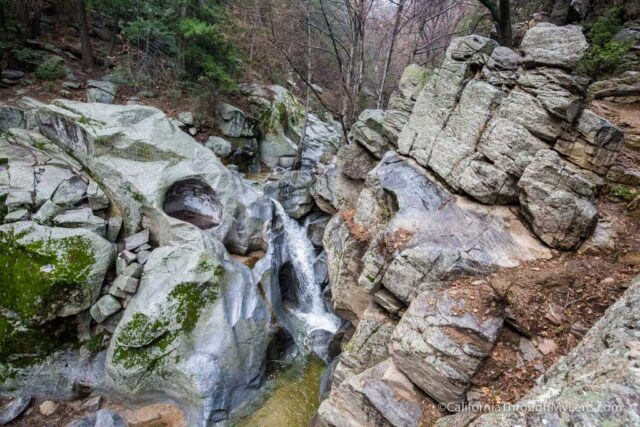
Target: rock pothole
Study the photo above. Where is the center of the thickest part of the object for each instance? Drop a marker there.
(195, 202)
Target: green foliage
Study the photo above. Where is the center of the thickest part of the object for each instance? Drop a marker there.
(27, 58)
(194, 33)
(53, 68)
(623, 193)
(208, 53)
(605, 55)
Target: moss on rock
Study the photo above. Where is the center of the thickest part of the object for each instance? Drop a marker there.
(143, 343)
(36, 275)
(37, 279)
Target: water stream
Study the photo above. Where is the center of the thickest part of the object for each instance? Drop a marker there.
(291, 392)
(311, 309)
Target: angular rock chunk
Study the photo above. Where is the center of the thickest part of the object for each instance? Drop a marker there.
(443, 338)
(378, 130)
(11, 117)
(368, 346)
(557, 199)
(334, 190)
(13, 409)
(594, 145)
(354, 161)
(66, 270)
(101, 91)
(546, 44)
(104, 308)
(344, 260)
(293, 192)
(70, 191)
(127, 283)
(411, 83)
(136, 240)
(82, 218)
(380, 396)
(220, 146)
(234, 123)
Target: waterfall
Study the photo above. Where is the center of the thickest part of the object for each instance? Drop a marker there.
(310, 310)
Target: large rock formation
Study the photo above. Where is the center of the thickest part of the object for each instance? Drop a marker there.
(482, 118)
(427, 236)
(498, 128)
(442, 340)
(280, 124)
(142, 159)
(185, 325)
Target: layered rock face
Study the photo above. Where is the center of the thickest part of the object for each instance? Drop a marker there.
(492, 132)
(483, 117)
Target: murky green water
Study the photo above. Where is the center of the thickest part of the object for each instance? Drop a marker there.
(294, 400)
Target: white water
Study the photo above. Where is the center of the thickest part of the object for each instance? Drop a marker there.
(311, 310)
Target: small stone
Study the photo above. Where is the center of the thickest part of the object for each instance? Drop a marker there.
(70, 191)
(193, 131)
(144, 247)
(186, 118)
(118, 293)
(128, 256)
(220, 146)
(143, 257)
(547, 346)
(72, 85)
(65, 94)
(13, 409)
(48, 408)
(126, 283)
(121, 265)
(528, 351)
(92, 404)
(47, 211)
(18, 215)
(133, 270)
(113, 228)
(136, 240)
(105, 307)
(97, 199)
(12, 74)
(106, 418)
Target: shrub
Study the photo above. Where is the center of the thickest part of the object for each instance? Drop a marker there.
(27, 58)
(52, 69)
(605, 56)
(623, 193)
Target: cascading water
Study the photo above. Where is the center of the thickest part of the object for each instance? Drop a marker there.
(310, 309)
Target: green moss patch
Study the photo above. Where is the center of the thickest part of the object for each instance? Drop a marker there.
(36, 279)
(36, 275)
(144, 342)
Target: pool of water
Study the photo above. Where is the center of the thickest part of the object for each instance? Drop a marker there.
(293, 400)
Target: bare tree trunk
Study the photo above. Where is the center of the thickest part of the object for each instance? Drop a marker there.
(85, 41)
(297, 164)
(501, 15)
(392, 44)
(35, 18)
(112, 41)
(505, 32)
